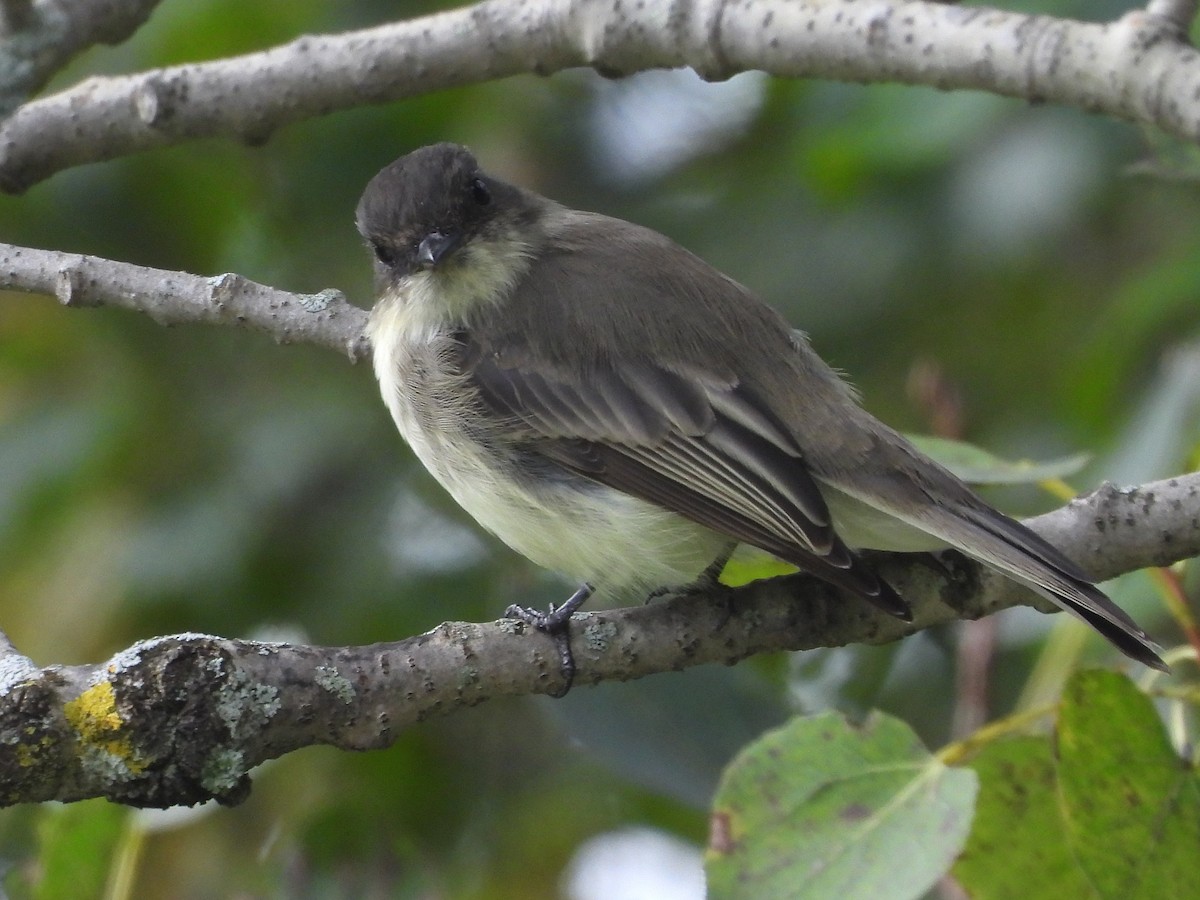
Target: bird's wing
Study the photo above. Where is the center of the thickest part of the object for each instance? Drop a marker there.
(704, 448)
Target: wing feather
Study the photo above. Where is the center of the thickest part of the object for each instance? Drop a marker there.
(703, 450)
(638, 479)
(682, 402)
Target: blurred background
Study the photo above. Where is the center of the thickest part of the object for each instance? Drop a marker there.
(1026, 278)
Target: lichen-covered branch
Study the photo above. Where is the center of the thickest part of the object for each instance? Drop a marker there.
(177, 298)
(1138, 68)
(183, 719)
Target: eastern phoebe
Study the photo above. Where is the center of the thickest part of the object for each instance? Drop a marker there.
(614, 408)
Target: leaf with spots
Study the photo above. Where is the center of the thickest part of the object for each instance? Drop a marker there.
(1131, 805)
(1019, 829)
(821, 808)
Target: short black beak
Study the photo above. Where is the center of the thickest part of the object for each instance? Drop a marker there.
(434, 246)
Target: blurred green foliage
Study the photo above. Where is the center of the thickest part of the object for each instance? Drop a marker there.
(161, 480)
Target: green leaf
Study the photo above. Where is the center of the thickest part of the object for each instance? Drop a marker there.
(1132, 806)
(1019, 828)
(977, 466)
(820, 808)
(750, 564)
(77, 848)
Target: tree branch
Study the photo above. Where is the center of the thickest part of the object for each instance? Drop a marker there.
(183, 719)
(1137, 68)
(39, 37)
(1179, 12)
(177, 298)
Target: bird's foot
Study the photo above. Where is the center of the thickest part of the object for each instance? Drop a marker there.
(934, 562)
(706, 582)
(556, 622)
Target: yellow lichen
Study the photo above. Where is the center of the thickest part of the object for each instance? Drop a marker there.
(93, 714)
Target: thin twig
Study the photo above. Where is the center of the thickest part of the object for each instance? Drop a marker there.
(1179, 13)
(177, 298)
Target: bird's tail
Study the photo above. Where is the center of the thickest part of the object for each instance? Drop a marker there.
(992, 538)
(1025, 556)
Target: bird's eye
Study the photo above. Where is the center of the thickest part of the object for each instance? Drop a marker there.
(480, 192)
(385, 254)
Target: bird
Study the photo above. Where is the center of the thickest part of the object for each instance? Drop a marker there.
(617, 410)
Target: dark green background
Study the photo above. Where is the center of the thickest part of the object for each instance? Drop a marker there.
(199, 479)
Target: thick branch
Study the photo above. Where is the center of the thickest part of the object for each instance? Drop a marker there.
(176, 298)
(182, 719)
(39, 37)
(1137, 68)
